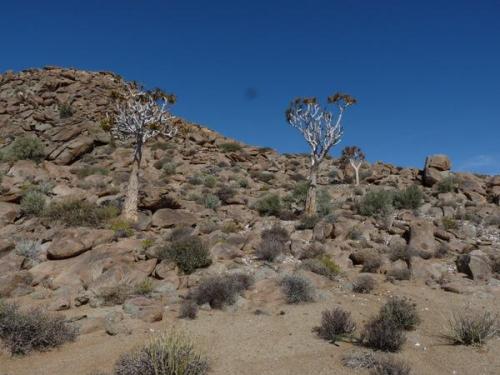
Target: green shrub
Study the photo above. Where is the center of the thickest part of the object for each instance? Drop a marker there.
(335, 324)
(29, 249)
(262, 176)
(221, 290)
(209, 181)
(243, 182)
(189, 253)
(122, 228)
(323, 266)
(65, 110)
(24, 331)
(324, 203)
(363, 284)
(25, 148)
(307, 222)
(299, 192)
(167, 354)
(230, 147)
(33, 203)
(401, 311)
(226, 193)
(269, 205)
(447, 185)
(297, 289)
(410, 198)
(210, 201)
(74, 212)
(449, 223)
(377, 203)
(383, 334)
(145, 287)
(472, 327)
(116, 294)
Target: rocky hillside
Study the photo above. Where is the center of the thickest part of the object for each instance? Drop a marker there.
(232, 208)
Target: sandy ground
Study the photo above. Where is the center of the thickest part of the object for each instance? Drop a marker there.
(283, 344)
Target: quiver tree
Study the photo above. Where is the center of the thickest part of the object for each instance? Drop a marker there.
(140, 117)
(353, 156)
(321, 129)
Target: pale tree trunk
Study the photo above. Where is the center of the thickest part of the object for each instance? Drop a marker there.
(356, 171)
(311, 209)
(129, 212)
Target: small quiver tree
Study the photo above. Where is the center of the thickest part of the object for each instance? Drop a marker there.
(321, 129)
(353, 156)
(141, 116)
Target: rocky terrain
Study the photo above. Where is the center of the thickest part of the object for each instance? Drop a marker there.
(431, 235)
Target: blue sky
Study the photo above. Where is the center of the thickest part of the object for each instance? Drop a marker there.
(426, 73)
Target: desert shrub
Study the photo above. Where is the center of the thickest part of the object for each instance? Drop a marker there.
(472, 327)
(90, 170)
(269, 205)
(115, 294)
(262, 176)
(447, 185)
(166, 354)
(74, 212)
(25, 148)
(189, 309)
(299, 192)
(442, 251)
(277, 233)
(230, 227)
(355, 234)
(401, 311)
(363, 284)
(273, 243)
(33, 203)
(401, 252)
(65, 110)
(29, 249)
(307, 222)
(243, 183)
(335, 324)
(225, 193)
(189, 253)
(388, 365)
(297, 289)
(323, 266)
(168, 169)
(324, 203)
(383, 334)
(359, 359)
(314, 250)
(209, 181)
(377, 203)
(221, 290)
(195, 179)
(372, 263)
(34, 329)
(144, 288)
(210, 201)
(409, 198)
(122, 228)
(230, 147)
(180, 233)
(449, 223)
(165, 202)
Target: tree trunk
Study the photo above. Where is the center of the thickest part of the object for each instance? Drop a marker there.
(356, 171)
(311, 209)
(129, 212)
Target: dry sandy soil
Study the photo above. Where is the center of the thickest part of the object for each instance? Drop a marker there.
(281, 340)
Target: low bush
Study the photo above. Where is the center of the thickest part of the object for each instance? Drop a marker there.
(472, 327)
(24, 331)
(122, 228)
(262, 176)
(308, 222)
(25, 148)
(335, 325)
(277, 233)
(363, 284)
(33, 203)
(166, 354)
(273, 243)
(383, 334)
(188, 253)
(230, 147)
(409, 198)
(447, 185)
(388, 365)
(399, 274)
(210, 201)
(29, 249)
(221, 290)
(116, 294)
(144, 288)
(376, 203)
(74, 212)
(359, 359)
(189, 310)
(449, 223)
(65, 110)
(323, 266)
(324, 203)
(225, 193)
(401, 311)
(297, 289)
(269, 205)
(401, 252)
(299, 193)
(372, 263)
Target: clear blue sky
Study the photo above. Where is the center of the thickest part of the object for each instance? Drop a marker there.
(426, 73)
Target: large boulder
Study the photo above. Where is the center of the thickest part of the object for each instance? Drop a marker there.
(476, 265)
(74, 241)
(167, 217)
(8, 212)
(422, 240)
(436, 168)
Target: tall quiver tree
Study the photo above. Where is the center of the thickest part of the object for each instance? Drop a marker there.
(321, 129)
(353, 156)
(141, 116)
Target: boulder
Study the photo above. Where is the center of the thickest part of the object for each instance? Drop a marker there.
(167, 217)
(143, 308)
(8, 212)
(436, 169)
(476, 265)
(74, 241)
(422, 240)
